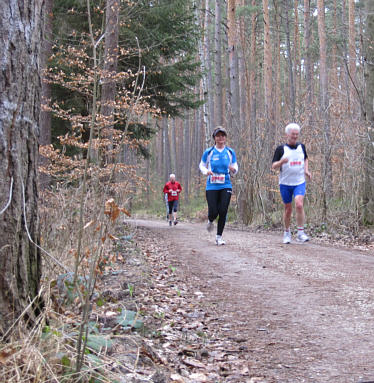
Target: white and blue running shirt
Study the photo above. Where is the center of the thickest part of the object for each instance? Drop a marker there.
(292, 172)
(218, 161)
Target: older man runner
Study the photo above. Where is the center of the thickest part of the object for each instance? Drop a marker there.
(172, 188)
(292, 161)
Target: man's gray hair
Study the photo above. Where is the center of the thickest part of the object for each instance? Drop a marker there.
(172, 175)
(292, 126)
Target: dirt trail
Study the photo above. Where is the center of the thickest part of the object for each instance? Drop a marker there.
(305, 311)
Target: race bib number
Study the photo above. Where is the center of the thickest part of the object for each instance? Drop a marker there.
(174, 193)
(217, 178)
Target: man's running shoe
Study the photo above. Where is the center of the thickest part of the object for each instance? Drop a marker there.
(287, 237)
(302, 237)
(175, 222)
(170, 223)
(219, 240)
(210, 226)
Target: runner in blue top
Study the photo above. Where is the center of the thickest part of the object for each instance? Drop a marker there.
(217, 163)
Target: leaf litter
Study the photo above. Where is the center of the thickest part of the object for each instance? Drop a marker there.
(159, 328)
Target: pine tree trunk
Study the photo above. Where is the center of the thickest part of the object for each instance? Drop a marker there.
(20, 82)
(243, 76)
(233, 101)
(334, 67)
(291, 78)
(208, 64)
(277, 64)
(368, 195)
(218, 65)
(296, 51)
(167, 158)
(252, 77)
(108, 91)
(324, 108)
(268, 75)
(351, 52)
(186, 160)
(308, 61)
(45, 120)
(181, 150)
(173, 148)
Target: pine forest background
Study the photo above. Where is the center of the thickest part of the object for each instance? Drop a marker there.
(167, 72)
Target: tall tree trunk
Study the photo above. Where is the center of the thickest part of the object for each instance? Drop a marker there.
(20, 84)
(252, 77)
(208, 63)
(243, 75)
(161, 151)
(108, 92)
(343, 36)
(232, 38)
(351, 52)
(186, 160)
(204, 86)
(173, 148)
(268, 75)
(308, 60)
(296, 51)
(167, 157)
(291, 79)
(218, 65)
(45, 115)
(199, 149)
(277, 68)
(203, 93)
(181, 149)
(368, 195)
(324, 107)
(334, 82)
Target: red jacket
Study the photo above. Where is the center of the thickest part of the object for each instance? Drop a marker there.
(173, 189)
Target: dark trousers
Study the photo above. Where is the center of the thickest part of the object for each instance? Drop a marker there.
(173, 206)
(218, 204)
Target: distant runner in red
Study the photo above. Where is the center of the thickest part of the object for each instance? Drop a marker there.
(172, 189)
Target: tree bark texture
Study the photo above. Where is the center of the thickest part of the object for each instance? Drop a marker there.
(208, 63)
(351, 52)
(232, 38)
(324, 107)
(292, 92)
(218, 103)
(252, 76)
(108, 92)
(187, 157)
(308, 61)
(268, 76)
(368, 195)
(297, 70)
(46, 93)
(110, 58)
(20, 84)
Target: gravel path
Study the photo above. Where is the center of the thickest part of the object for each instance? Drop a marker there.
(304, 311)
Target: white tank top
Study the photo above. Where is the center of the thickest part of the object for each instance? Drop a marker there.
(292, 173)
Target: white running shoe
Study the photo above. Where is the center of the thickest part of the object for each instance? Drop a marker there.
(302, 237)
(219, 240)
(287, 237)
(210, 226)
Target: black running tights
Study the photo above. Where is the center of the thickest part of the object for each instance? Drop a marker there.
(218, 204)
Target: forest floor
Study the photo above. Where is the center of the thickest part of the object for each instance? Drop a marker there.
(254, 310)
